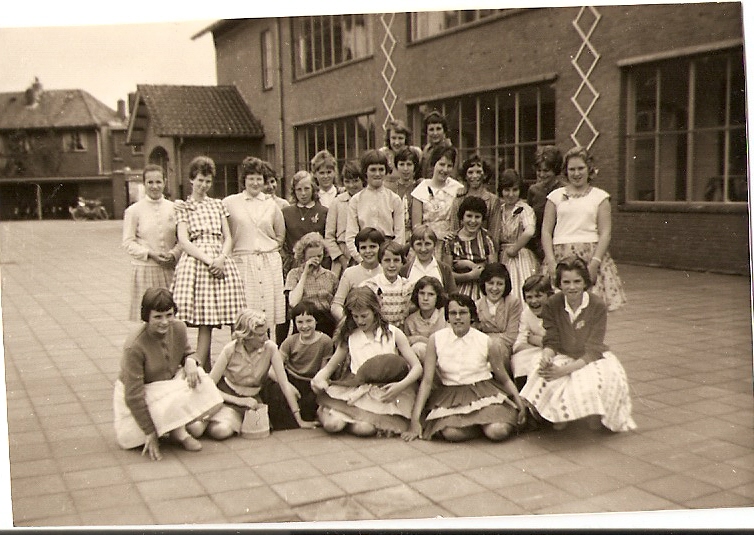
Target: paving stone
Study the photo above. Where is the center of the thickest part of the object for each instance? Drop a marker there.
(499, 475)
(238, 478)
(417, 468)
(484, 504)
(44, 506)
(247, 501)
(129, 515)
(723, 475)
(339, 509)
(36, 486)
(170, 488)
(344, 461)
(384, 502)
(205, 461)
(303, 491)
(446, 487)
(122, 495)
(678, 488)
(585, 483)
(364, 479)
(464, 460)
(283, 471)
(535, 495)
(195, 510)
(631, 499)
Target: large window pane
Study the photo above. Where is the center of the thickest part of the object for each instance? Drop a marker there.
(674, 97)
(427, 24)
(642, 167)
(710, 85)
(467, 132)
(322, 42)
(506, 118)
(671, 182)
(708, 170)
(737, 93)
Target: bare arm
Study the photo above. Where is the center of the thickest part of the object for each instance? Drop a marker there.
(417, 213)
(425, 387)
(604, 230)
(548, 226)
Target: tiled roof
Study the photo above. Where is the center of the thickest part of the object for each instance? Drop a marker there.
(191, 110)
(57, 108)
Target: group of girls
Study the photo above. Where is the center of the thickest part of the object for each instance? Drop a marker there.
(401, 229)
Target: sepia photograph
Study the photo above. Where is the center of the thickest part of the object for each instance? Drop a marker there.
(299, 266)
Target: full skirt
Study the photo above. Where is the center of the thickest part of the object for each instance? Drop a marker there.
(520, 268)
(262, 279)
(599, 388)
(143, 277)
(171, 404)
(524, 362)
(608, 286)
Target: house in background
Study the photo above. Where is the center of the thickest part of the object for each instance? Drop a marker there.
(661, 107)
(172, 124)
(57, 145)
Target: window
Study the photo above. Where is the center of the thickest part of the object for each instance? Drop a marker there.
(137, 150)
(345, 138)
(427, 24)
(268, 63)
(686, 130)
(270, 155)
(74, 142)
(325, 41)
(504, 127)
(226, 181)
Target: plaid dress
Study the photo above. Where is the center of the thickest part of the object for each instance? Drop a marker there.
(201, 298)
(476, 249)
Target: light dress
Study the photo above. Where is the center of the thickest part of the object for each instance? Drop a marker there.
(507, 229)
(526, 358)
(436, 206)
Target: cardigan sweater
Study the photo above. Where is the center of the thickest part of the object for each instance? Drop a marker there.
(503, 324)
(448, 282)
(584, 338)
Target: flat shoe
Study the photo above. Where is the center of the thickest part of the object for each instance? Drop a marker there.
(559, 426)
(191, 444)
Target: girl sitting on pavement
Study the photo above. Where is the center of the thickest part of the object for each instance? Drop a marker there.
(240, 372)
(377, 389)
(429, 298)
(476, 391)
(527, 349)
(578, 377)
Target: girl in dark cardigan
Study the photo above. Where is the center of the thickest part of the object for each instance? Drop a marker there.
(578, 376)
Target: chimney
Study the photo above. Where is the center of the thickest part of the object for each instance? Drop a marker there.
(34, 93)
(122, 109)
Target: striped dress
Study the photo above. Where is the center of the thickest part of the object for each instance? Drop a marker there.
(477, 250)
(505, 231)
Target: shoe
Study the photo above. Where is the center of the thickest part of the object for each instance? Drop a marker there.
(559, 426)
(191, 444)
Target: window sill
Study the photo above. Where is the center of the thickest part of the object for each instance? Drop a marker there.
(509, 13)
(685, 207)
(299, 78)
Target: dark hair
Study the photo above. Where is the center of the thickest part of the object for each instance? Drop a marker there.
(399, 127)
(495, 269)
(471, 203)
(472, 161)
(303, 307)
(435, 117)
(583, 153)
(509, 179)
(537, 283)
(408, 155)
(157, 299)
(394, 247)
(550, 156)
(201, 164)
(372, 157)
(465, 301)
(255, 166)
(436, 285)
(359, 297)
(351, 170)
(151, 168)
(573, 263)
(423, 231)
(449, 152)
(371, 234)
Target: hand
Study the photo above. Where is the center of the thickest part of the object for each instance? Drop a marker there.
(464, 264)
(389, 392)
(319, 384)
(553, 372)
(414, 432)
(545, 361)
(152, 446)
(312, 264)
(192, 373)
(551, 270)
(303, 424)
(511, 251)
(217, 265)
(594, 269)
(249, 403)
(521, 419)
(293, 390)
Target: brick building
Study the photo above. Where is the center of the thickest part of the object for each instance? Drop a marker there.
(56, 145)
(655, 91)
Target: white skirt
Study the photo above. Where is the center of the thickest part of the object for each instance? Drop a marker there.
(171, 404)
(524, 362)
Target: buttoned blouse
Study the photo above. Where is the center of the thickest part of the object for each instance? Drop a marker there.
(462, 360)
(363, 347)
(255, 223)
(379, 208)
(149, 225)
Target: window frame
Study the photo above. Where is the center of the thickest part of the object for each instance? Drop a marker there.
(69, 142)
(412, 22)
(267, 51)
(327, 134)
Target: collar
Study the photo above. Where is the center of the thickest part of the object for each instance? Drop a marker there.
(573, 314)
(153, 201)
(432, 264)
(249, 197)
(310, 204)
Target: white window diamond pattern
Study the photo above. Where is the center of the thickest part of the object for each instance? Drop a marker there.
(388, 70)
(584, 62)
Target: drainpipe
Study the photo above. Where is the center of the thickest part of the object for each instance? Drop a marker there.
(178, 194)
(282, 108)
(39, 200)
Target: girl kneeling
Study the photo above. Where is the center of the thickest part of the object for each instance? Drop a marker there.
(466, 360)
(376, 394)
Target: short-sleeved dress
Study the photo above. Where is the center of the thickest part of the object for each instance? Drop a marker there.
(477, 250)
(416, 325)
(201, 298)
(526, 358)
(361, 403)
(506, 231)
(469, 394)
(576, 234)
(436, 206)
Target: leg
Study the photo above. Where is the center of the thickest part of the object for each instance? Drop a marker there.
(330, 421)
(196, 428)
(188, 442)
(594, 422)
(203, 343)
(459, 434)
(219, 430)
(420, 348)
(497, 431)
(362, 429)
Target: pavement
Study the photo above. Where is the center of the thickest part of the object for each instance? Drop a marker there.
(684, 339)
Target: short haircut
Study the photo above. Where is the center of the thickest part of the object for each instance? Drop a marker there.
(438, 152)
(465, 301)
(471, 162)
(352, 170)
(537, 283)
(307, 241)
(406, 155)
(304, 307)
(255, 166)
(157, 299)
(394, 247)
(495, 269)
(201, 164)
(436, 285)
(298, 177)
(549, 156)
(399, 127)
(435, 117)
(573, 263)
(151, 168)
(372, 157)
(246, 321)
(323, 159)
(509, 179)
(369, 234)
(423, 231)
(471, 203)
(580, 152)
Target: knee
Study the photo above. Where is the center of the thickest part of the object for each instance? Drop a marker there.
(497, 432)
(330, 422)
(456, 434)
(362, 429)
(220, 431)
(420, 348)
(196, 429)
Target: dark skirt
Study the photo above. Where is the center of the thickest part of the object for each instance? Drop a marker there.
(280, 413)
